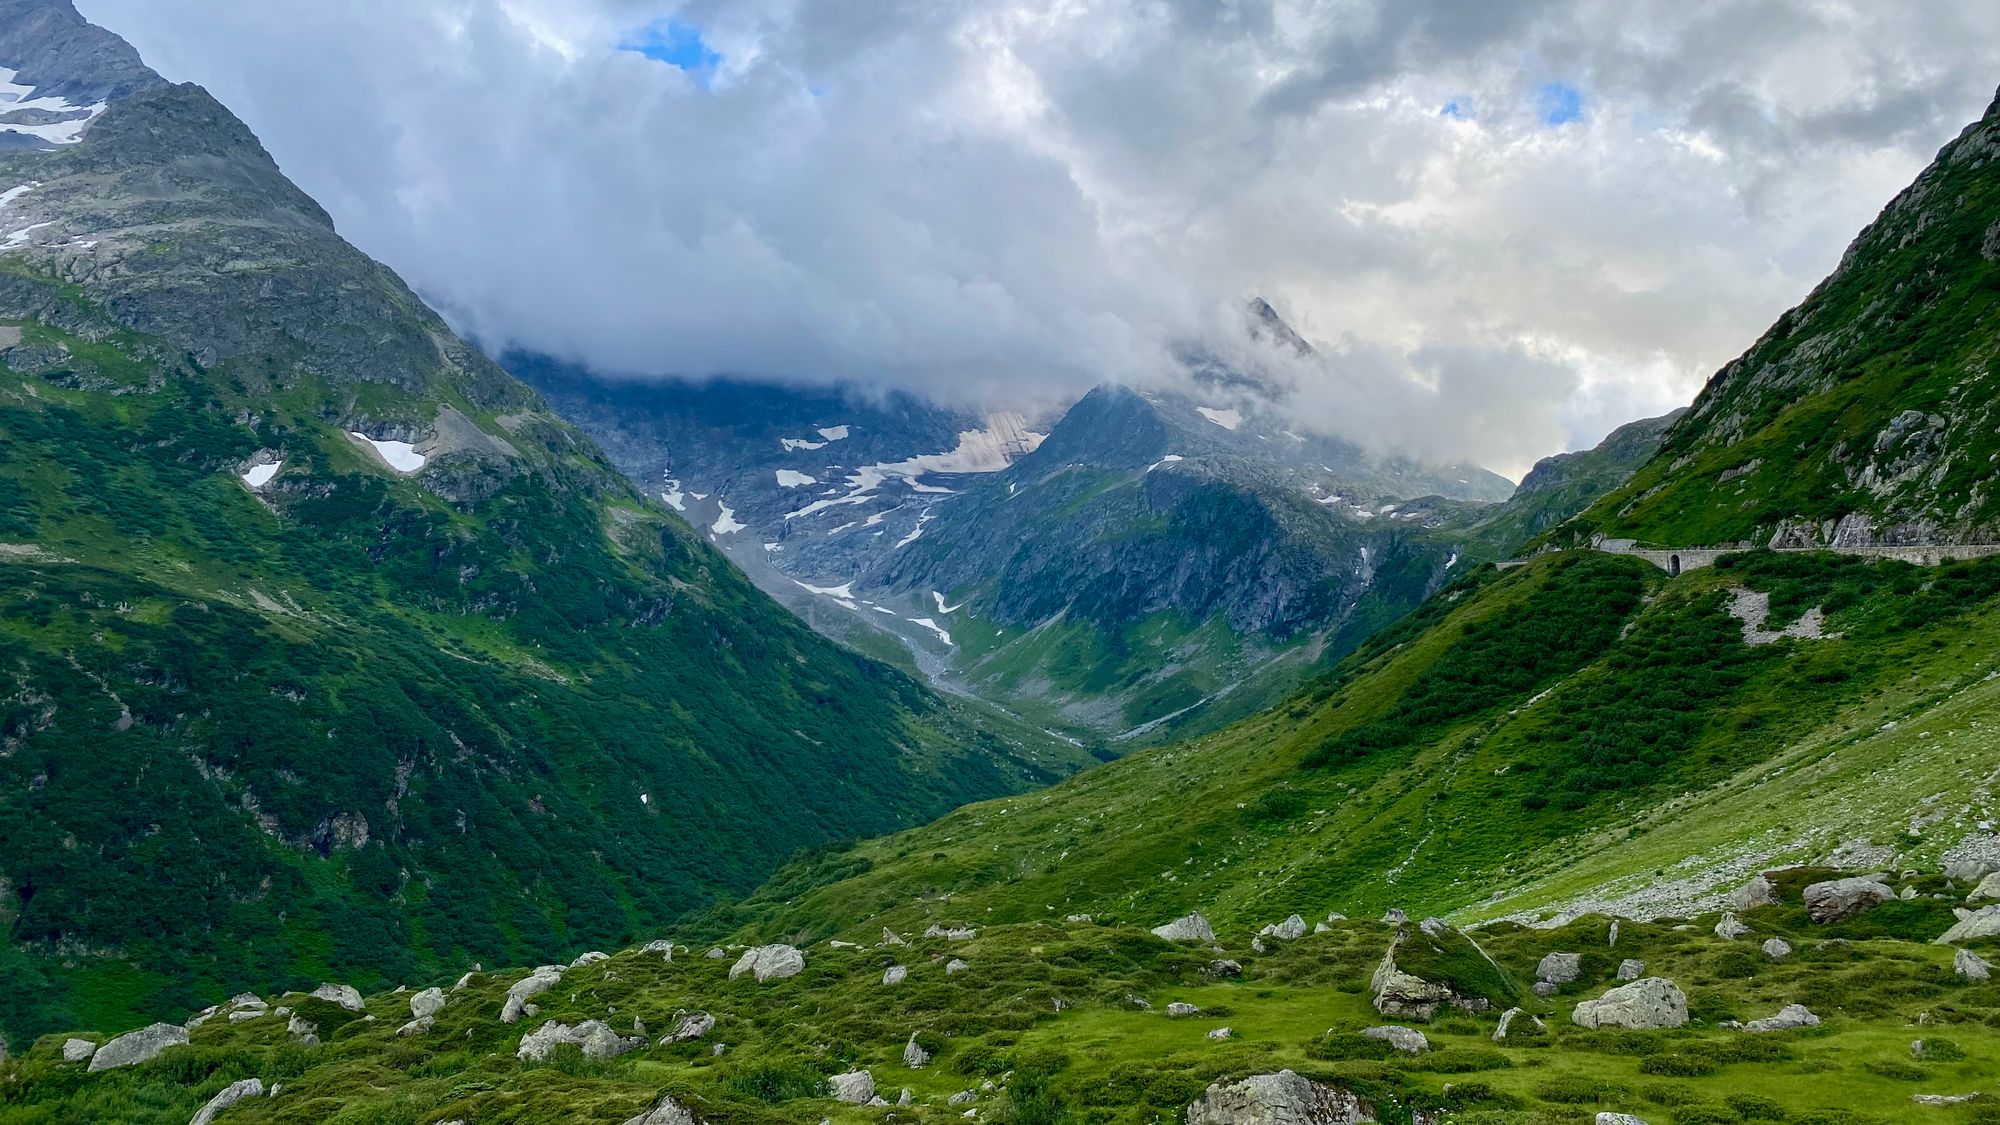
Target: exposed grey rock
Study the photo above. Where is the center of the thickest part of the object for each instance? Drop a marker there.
(1988, 888)
(1971, 965)
(429, 1002)
(890, 937)
(1223, 967)
(532, 985)
(1177, 1009)
(1777, 948)
(1223, 1033)
(141, 1046)
(895, 974)
(1403, 995)
(77, 1050)
(1395, 916)
(1077, 918)
(1284, 1098)
(1436, 927)
(689, 1025)
(715, 954)
(594, 1037)
(345, 995)
(1507, 1019)
(1974, 924)
(1943, 1099)
(1861, 852)
(1973, 858)
(1753, 894)
(1405, 1039)
(963, 1097)
(465, 980)
(954, 967)
(1836, 899)
(960, 933)
(419, 1026)
(1630, 969)
(1788, 1017)
(914, 1056)
(659, 945)
(302, 1031)
(1545, 988)
(230, 1095)
(836, 943)
(1256, 945)
(1560, 968)
(1644, 1005)
(1730, 928)
(591, 958)
(856, 1087)
(1612, 941)
(769, 962)
(668, 1112)
(907, 1097)
(1191, 927)
(1604, 1118)
(1920, 1049)
(1291, 929)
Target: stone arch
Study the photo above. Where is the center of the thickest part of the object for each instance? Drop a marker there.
(1674, 566)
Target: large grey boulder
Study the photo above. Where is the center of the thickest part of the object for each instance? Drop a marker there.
(1836, 899)
(1631, 968)
(1507, 1019)
(890, 937)
(1730, 928)
(1408, 1040)
(1650, 1004)
(77, 1050)
(1191, 927)
(1604, 1118)
(135, 1047)
(1180, 1009)
(1777, 948)
(528, 987)
(668, 1112)
(1965, 963)
(230, 1095)
(1401, 995)
(856, 1087)
(1973, 925)
(1753, 894)
(1560, 968)
(1988, 888)
(914, 1056)
(1788, 1017)
(689, 1025)
(1284, 1098)
(420, 1026)
(769, 962)
(1291, 929)
(593, 1037)
(345, 995)
(429, 1002)
(895, 974)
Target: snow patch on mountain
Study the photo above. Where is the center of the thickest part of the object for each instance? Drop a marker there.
(788, 478)
(943, 608)
(833, 433)
(1227, 419)
(674, 497)
(257, 476)
(1004, 440)
(398, 455)
(933, 626)
(793, 445)
(916, 532)
(1167, 460)
(726, 523)
(843, 593)
(20, 106)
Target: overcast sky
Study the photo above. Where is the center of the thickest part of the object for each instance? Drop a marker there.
(1509, 226)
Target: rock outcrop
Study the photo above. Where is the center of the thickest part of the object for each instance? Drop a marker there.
(135, 1047)
(429, 1002)
(1753, 894)
(1291, 929)
(668, 1112)
(1730, 928)
(1408, 1040)
(1788, 1017)
(1191, 927)
(77, 1050)
(1631, 969)
(895, 974)
(593, 1037)
(689, 1025)
(1971, 966)
(856, 1087)
(769, 962)
(1651, 1004)
(1560, 968)
(229, 1096)
(1284, 1098)
(528, 987)
(914, 1055)
(1777, 948)
(1836, 899)
(1972, 925)
(345, 995)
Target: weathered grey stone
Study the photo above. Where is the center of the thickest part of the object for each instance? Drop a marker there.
(1943, 1099)
(890, 937)
(963, 1097)
(1177, 1009)
(1284, 1098)
(1730, 928)
(957, 933)
(1191, 927)
(1560, 968)
(345, 995)
(1402, 995)
(1604, 1118)
(532, 985)
(1971, 965)
(302, 1031)
(659, 945)
(1223, 967)
(1777, 948)
(230, 1095)
(1988, 888)
(1257, 945)
(1545, 988)
(769, 962)
(1612, 940)
(856, 1087)
(1395, 916)
(591, 958)
(1507, 1019)
(1405, 1039)
(1844, 898)
(1861, 852)
(715, 954)
(907, 1097)
(895, 974)
(419, 1026)
(593, 1037)
(689, 1025)
(77, 1050)
(1291, 929)
(1631, 969)
(1223, 1033)
(1974, 924)
(1973, 858)
(668, 1112)
(1644, 1005)
(954, 967)
(429, 1002)
(1753, 894)
(914, 1056)
(135, 1047)
(1788, 1017)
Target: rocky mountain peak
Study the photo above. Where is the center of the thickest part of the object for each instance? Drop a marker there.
(60, 65)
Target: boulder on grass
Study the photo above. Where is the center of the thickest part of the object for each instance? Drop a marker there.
(1651, 1004)
(1284, 1098)
(135, 1047)
(769, 962)
(1836, 899)
(1190, 927)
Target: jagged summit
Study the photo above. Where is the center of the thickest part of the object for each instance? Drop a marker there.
(57, 68)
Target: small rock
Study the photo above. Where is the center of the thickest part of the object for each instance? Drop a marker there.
(1988, 888)
(1777, 948)
(1836, 899)
(914, 1056)
(1190, 927)
(1178, 1009)
(668, 1112)
(1971, 965)
(1223, 968)
(1788, 1017)
(532, 985)
(1222, 1033)
(419, 1026)
(230, 1095)
(1256, 945)
(591, 958)
(715, 954)
(1560, 968)
(954, 967)
(303, 1031)
(907, 1097)
(890, 937)
(1753, 894)
(836, 943)
(345, 995)
(1137, 1002)
(1613, 939)
(1076, 918)
(1631, 969)
(141, 1046)
(77, 1050)
(1861, 852)
(1730, 928)
(429, 1002)
(1507, 1019)
(1408, 1040)
(659, 945)
(1545, 988)
(856, 1087)
(895, 974)
(1395, 916)
(769, 962)
(965, 933)
(962, 1097)
(1648, 1004)
(689, 1025)
(1291, 929)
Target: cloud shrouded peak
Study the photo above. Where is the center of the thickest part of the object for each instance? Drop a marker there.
(1505, 228)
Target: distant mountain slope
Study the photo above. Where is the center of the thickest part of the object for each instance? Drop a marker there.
(1562, 486)
(324, 646)
(1871, 412)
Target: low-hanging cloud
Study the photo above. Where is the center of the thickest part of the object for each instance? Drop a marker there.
(1507, 227)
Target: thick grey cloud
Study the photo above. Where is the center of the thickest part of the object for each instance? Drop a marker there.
(991, 201)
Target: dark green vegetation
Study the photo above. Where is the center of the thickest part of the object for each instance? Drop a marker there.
(1067, 1023)
(361, 723)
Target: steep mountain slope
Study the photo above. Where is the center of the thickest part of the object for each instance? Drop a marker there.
(323, 644)
(1564, 485)
(1868, 414)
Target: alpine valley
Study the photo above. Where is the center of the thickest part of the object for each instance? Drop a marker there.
(391, 735)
